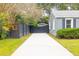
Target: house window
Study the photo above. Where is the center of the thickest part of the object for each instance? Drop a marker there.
(69, 23)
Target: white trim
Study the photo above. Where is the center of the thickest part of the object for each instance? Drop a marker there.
(50, 24)
(53, 24)
(71, 21)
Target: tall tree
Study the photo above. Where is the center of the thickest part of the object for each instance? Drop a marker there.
(29, 11)
(46, 6)
(26, 12)
(62, 6)
(75, 6)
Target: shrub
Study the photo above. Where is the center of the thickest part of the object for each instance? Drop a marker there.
(45, 19)
(33, 22)
(3, 34)
(69, 33)
(4, 25)
(19, 18)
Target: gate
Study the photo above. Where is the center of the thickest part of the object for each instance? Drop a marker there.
(42, 28)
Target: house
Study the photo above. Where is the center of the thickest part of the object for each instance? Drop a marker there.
(60, 19)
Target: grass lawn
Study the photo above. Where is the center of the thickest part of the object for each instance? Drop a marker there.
(8, 46)
(70, 44)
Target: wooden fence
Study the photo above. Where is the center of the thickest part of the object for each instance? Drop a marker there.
(22, 29)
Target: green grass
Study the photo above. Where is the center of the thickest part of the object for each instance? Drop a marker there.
(8, 46)
(70, 44)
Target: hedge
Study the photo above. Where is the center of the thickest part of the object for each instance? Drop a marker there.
(69, 33)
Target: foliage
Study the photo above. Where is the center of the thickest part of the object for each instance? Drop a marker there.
(69, 33)
(46, 6)
(4, 25)
(45, 19)
(30, 20)
(29, 10)
(75, 6)
(10, 14)
(62, 6)
(3, 34)
(33, 22)
(6, 18)
(59, 6)
(19, 18)
(21, 11)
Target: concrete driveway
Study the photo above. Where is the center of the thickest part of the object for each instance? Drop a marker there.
(40, 44)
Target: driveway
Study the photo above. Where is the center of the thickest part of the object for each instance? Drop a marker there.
(40, 44)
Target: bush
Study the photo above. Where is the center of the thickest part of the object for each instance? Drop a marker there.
(19, 18)
(33, 22)
(45, 19)
(69, 33)
(3, 34)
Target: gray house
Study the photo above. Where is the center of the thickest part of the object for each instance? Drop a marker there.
(60, 19)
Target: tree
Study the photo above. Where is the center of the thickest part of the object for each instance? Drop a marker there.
(62, 6)
(75, 6)
(29, 11)
(46, 6)
(11, 14)
(5, 18)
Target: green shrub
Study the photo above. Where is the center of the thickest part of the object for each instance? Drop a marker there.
(45, 19)
(3, 34)
(33, 22)
(19, 18)
(69, 33)
(4, 25)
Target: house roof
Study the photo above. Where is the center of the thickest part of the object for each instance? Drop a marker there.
(65, 13)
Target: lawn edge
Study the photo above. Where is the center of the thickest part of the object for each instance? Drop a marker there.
(56, 39)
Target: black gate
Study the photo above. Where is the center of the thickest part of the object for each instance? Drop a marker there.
(42, 28)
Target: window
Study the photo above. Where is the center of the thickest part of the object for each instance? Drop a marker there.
(69, 23)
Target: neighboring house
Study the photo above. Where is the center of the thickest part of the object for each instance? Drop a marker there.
(60, 19)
